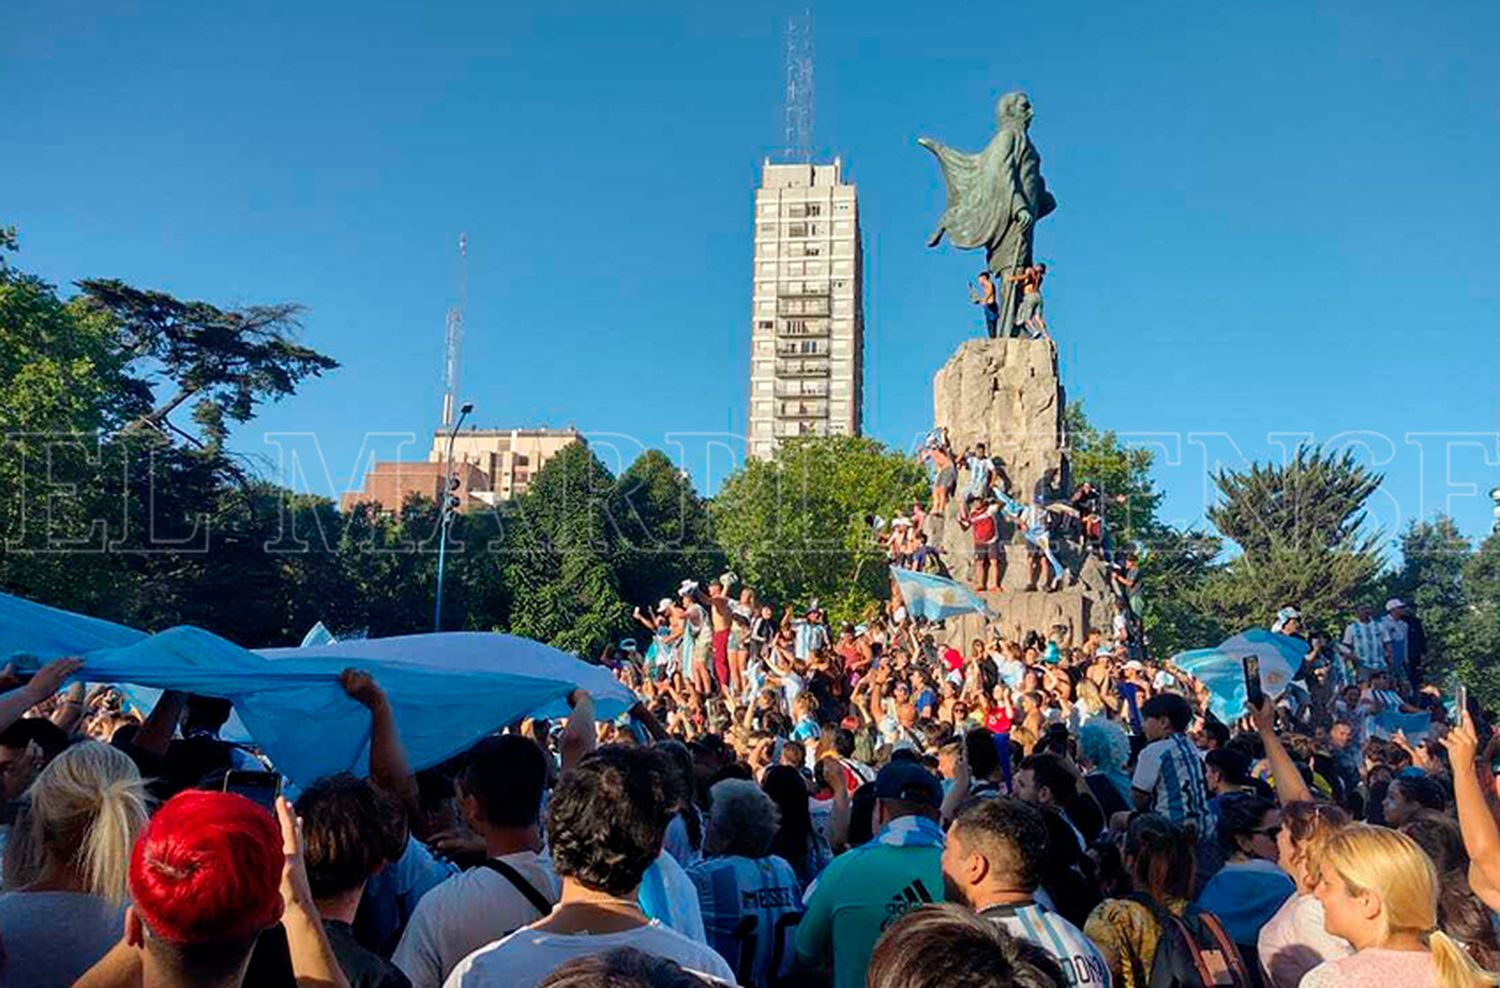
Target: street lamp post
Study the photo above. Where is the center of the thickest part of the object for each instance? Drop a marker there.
(449, 505)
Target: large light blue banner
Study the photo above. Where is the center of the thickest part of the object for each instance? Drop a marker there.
(446, 690)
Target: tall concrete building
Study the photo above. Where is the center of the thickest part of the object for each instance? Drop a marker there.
(808, 325)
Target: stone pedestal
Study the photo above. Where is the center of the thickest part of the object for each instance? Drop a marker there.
(1006, 394)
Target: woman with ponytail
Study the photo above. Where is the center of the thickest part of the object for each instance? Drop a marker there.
(1379, 891)
(66, 876)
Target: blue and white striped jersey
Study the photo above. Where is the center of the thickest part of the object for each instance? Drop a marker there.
(1081, 962)
(1171, 771)
(750, 909)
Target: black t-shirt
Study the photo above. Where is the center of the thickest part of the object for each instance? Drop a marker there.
(364, 968)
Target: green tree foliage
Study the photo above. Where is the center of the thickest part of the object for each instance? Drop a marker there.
(1122, 474)
(1300, 530)
(1175, 564)
(1455, 590)
(662, 530)
(229, 360)
(558, 547)
(797, 525)
(1478, 661)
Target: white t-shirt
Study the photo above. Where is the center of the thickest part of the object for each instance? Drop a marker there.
(526, 957)
(1294, 942)
(464, 913)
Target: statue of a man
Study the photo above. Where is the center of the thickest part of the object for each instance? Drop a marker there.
(995, 197)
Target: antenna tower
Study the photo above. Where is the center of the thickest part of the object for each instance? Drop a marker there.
(799, 87)
(453, 336)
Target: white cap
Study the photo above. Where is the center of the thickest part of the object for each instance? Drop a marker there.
(1287, 613)
(665, 604)
(1135, 664)
(1394, 603)
(687, 587)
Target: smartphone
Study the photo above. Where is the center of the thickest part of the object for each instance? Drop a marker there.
(1254, 695)
(1460, 703)
(260, 788)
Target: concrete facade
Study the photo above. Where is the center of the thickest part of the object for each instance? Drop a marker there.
(807, 307)
(491, 465)
(509, 457)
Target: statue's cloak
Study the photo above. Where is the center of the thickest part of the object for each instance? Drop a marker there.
(987, 190)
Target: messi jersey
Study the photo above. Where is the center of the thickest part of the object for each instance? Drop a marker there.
(750, 911)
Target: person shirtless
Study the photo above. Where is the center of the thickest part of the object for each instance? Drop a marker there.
(1029, 312)
(946, 481)
(987, 298)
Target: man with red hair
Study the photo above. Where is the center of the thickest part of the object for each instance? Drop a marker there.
(209, 874)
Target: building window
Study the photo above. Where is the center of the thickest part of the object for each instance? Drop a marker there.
(813, 209)
(809, 346)
(765, 324)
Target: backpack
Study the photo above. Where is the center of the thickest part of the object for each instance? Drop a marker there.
(1193, 951)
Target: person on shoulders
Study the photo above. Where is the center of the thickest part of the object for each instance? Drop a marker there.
(606, 823)
(1169, 777)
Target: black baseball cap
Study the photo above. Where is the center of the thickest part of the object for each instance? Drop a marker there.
(910, 782)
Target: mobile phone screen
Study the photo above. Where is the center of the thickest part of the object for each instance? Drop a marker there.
(261, 788)
(1460, 703)
(1253, 692)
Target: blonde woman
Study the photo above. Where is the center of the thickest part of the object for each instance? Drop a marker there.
(69, 867)
(1295, 941)
(1379, 892)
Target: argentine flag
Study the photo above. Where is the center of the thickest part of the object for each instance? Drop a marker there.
(935, 598)
(1222, 669)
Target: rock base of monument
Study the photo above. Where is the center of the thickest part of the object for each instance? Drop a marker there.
(1006, 394)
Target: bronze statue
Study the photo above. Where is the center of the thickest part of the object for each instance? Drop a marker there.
(994, 199)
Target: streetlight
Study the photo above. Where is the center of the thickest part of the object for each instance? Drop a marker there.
(449, 505)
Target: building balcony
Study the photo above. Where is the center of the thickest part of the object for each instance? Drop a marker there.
(803, 389)
(800, 328)
(794, 410)
(801, 368)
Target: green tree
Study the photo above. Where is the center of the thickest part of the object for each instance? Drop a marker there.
(662, 530)
(1431, 579)
(1175, 563)
(797, 525)
(558, 544)
(229, 360)
(1300, 529)
(1122, 474)
(1478, 663)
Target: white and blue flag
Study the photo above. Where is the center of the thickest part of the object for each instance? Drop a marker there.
(935, 597)
(1222, 669)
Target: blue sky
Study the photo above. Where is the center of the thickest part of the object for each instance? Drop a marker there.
(1275, 219)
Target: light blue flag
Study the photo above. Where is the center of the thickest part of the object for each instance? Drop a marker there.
(1385, 724)
(446, 690)
(318, 634)
(1222, 669)
(935, 598)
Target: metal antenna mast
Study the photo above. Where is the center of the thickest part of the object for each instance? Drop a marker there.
(454, 335)
(799, 87)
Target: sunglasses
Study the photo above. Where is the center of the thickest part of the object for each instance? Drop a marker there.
(1271, 832)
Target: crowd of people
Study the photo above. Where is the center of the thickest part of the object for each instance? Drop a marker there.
(787, 803)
